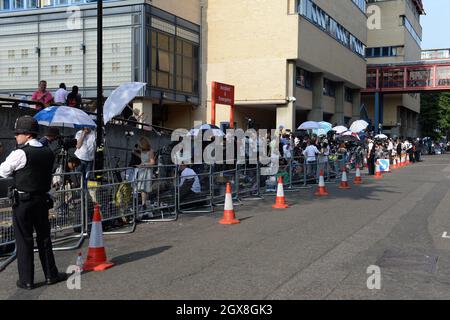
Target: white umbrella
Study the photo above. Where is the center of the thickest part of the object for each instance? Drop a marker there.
(381, 136)
(359, 126)
(119, 99)
(309, 125)
(62, 116)
(340, 129)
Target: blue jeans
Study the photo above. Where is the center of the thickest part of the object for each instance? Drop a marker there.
(84, 168)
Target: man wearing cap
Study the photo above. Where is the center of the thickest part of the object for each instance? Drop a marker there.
(51, 134)
(31, 167)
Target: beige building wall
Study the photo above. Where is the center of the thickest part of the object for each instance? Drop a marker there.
(256, 44)
(348, 109)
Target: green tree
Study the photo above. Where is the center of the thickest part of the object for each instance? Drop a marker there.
(435, 114)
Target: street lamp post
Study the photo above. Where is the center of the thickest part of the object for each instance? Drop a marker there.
(99, 155)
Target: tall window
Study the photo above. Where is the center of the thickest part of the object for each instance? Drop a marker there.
(303, 78)
(329, 88)
(174, 63)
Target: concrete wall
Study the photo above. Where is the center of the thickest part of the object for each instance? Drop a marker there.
(304, 99)
(320, 52)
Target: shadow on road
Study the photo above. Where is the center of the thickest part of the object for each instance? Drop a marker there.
(138, 255)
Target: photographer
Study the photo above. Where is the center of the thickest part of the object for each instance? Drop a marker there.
(51, 134)
(85, 150)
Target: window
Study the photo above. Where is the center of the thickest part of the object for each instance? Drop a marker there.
(303, 78)
(115, 48)
(383, 52)
(11, 72)
(115, 66)
(24, 53)
(11, 54)
(412, 31)
(54, 70)
(361, 4)
(5, 5)
(68, 51)
(24, 71)
(53, 51)
(329, 88)
(174, 63)
(348, 95)
(68, 68)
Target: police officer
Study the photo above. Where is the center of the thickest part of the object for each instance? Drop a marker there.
(31, 167)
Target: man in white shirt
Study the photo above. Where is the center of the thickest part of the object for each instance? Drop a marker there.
(61, 95)
(189, 183)
(86, 140)
(310, 154)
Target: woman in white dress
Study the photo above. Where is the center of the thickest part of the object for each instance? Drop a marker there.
(145, 173)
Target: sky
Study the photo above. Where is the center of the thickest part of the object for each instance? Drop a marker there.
(436, 24)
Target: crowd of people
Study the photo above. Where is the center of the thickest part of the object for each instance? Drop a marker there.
(62, 97)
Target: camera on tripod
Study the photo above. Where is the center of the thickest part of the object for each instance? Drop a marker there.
(67, 143)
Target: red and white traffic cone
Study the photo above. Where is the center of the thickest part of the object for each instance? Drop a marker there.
(344, 180)
(358, 179)
(394, 163)
(228, 212)
(96, 257)
(280, 200)
(377, 171)
(321, 189)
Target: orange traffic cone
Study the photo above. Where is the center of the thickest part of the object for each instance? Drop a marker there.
(394, 163)
(407, 160)
(358, 179)
(96, 257)
(228, 213)
(377, 171)
(344, 180)
(321, 189)
(279, 203)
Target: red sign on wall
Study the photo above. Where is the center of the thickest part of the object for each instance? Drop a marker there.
(222, 94)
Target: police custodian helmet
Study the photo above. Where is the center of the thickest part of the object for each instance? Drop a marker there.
(26, 125)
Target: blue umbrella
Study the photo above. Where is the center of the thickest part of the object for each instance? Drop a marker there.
(66, 117)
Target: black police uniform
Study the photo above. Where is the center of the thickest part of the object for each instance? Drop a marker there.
(30, 210)
(32, 183)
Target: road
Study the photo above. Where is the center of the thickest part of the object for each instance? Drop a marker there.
(319, 248)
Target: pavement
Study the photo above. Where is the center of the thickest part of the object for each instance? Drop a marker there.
(319, 248)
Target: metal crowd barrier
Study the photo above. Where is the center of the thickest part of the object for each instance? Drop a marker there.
(67, 215)
(248, 177)
(161, 192)
(116, 197)
(204, 199)
(7, 239)
(298, 174)
(221, 175)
